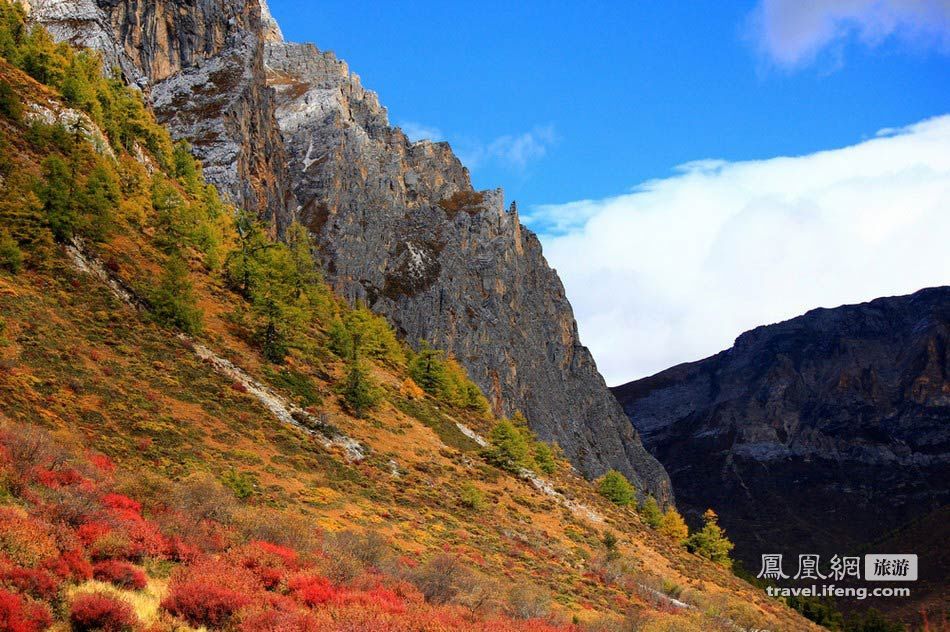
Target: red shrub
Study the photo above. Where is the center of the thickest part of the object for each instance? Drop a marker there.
(35, 582)
(118, 501)
(210, 593)
(269, 562)
(313, 591)
(92, 531)
(180, 551)
(121, 574)
(281, 621)
(378, 598)
(55, 479)
(17, 616)
(70, 566)
(102, 463)
(101, 613)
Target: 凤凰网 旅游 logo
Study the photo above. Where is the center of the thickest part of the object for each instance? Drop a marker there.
(890, 567)
(878, 567)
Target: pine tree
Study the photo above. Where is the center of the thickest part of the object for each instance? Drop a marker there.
(615, 487)
(174, 302)
(359, 391)
(508, 447)
(673, 526)
(650, 512)
(544, 458)
(56, 194)
(711, 541)
(11, 258)
(427, 368)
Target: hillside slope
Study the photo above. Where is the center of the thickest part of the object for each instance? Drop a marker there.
(203, 391)
(397, 223)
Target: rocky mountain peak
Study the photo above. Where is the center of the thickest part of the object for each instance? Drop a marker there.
(287, 130)
(843, 406)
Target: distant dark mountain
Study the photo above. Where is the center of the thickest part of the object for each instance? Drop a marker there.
(819, 434)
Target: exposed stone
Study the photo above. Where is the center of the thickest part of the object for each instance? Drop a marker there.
(815, 435)
(464, 275)
(400, 228)
(200, 62)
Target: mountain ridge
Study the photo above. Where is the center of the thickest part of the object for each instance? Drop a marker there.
(841, 406)
(397, 224)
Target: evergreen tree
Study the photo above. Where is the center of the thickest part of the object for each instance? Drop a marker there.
(427, 368)
(711, 541)
(56, 194)
(544, 458)
(615, 487)
(174, 303)
(10, 105)
(359, 391)
(650, 512)
(673, 526)
(243, 264)
(11, 258)
(508, 447)
(99, 199)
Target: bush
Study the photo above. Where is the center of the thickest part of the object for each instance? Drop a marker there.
(210, 593)
(711, 541)
(440, 579)
(37, 583)
(101, 613)
(18, 616)
(471, 497)
(528, 602)
(121, 574)
(615, 487)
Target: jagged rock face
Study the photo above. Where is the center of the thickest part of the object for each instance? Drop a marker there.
(201, 64)
(818, 434)
(465, 275)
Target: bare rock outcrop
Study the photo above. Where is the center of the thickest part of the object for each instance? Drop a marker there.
(400, 227)
(814, 435)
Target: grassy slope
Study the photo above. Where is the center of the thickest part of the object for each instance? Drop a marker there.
(75, 359)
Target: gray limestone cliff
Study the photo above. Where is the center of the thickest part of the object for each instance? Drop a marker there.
(200, 63)
(285, 129)
(400, 227)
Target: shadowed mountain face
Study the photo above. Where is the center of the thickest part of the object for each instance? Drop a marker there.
(815, 435)
(289, 132)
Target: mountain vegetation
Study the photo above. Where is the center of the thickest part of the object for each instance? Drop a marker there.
(196, 432)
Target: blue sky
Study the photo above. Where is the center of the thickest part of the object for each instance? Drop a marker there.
(614, 92)
(694, 169)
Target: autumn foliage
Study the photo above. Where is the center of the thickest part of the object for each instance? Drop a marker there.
(67, 524)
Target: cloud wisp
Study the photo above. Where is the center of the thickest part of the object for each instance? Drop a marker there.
(418, 131)
(676, 269)
(794, 33)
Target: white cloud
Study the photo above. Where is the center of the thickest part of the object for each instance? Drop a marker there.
(675, 270)
(513, 151)
(418, 131)
(793, 33)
